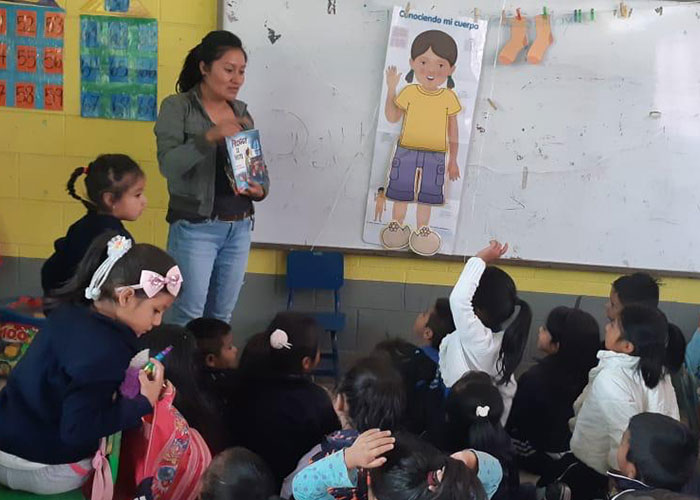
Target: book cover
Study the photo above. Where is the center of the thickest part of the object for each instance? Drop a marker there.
(246, 161)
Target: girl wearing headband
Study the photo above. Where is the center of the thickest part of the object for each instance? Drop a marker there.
(63, 398)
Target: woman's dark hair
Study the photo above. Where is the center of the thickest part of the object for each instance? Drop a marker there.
(126, 271)
(637, 288)
(578, 335)
(440, 321)
(210, 333)
(113, 173)
(304, 334)
(210, 49)
(238, 474)
(375, 395)
(663, 450)
(181, 369)
(409, 465)
(474, 409)
(647, 329)
(442, 44)
(494, 302)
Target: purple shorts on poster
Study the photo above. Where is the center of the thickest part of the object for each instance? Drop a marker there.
(402, 178)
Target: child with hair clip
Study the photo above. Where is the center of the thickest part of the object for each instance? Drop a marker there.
(473, 412)
(114, 184)
(411, 469)
(631, 378)
(370, 395)
(278, 412)
(543, 404)
(656, 452)
(238, 474)
(62, 398)
(483, 299)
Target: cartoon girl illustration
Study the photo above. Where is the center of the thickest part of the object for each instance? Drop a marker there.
(429, 134)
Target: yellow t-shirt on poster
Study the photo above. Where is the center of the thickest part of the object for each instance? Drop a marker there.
(425, 117)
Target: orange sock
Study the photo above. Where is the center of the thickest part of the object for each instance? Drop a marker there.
(542, 42)
(517, 42)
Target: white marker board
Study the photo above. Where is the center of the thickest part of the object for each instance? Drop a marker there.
(570, 168)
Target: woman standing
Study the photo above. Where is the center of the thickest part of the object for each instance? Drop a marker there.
(210, 221)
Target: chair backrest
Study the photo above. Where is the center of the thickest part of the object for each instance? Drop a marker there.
(315, 270)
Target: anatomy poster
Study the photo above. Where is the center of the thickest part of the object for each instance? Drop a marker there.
(31, 54)
(429, 85)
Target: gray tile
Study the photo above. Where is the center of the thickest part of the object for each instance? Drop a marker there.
(374, 326)
(420, 298)
(373, 295)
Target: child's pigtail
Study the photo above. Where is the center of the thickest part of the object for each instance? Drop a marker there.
(70, 187)
(409, 76)
(450, 82)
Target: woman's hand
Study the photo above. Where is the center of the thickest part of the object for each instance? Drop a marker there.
(254, 191)
(224, 129)
(367, 450)
(151, 387)
(493, 252)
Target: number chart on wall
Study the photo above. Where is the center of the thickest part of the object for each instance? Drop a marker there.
(31, 54)
(118, 67)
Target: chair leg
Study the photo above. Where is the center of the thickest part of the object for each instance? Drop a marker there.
(334, 353)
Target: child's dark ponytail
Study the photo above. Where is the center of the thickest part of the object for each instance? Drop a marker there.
(494, 301)
(675, 349)
(514, 341)
(71, 188)
(647, 329)
(210, 49)
(109, 173)
(450, 82)
(409, 76)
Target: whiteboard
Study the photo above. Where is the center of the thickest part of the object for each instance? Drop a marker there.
(570, 167)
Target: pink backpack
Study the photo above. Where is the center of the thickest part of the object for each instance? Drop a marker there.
(164, 459)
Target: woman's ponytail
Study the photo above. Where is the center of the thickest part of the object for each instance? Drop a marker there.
(514, 341)
(70, 187)
(190, 75)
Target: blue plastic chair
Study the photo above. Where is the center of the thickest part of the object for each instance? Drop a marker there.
(320, 271)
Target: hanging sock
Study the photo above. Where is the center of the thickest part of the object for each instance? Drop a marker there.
(542, 42)
(517, 42)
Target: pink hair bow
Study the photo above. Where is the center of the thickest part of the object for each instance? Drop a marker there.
(152, 282)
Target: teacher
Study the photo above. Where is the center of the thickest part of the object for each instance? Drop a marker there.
(210, 221)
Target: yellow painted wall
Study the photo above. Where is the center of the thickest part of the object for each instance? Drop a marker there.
(38, 150)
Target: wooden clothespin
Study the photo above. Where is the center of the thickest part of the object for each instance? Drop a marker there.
(407, 9)
(476, 14)
(520, 17)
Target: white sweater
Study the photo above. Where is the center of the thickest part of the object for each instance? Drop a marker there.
(615, 393)
(472, 346)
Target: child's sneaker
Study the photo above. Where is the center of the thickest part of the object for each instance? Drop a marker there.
(425, 242)
(395, 236)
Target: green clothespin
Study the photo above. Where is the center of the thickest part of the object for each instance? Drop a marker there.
(592, 14)
(544, 11)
